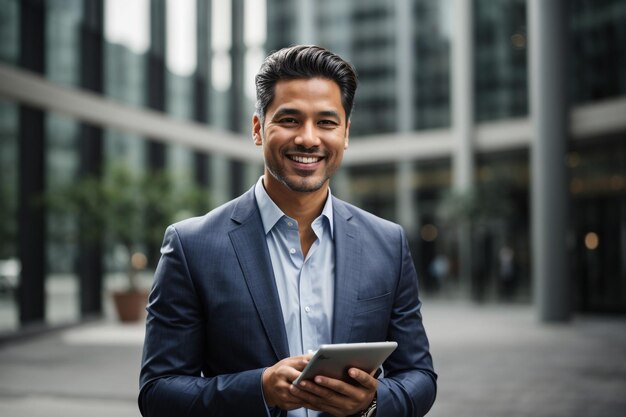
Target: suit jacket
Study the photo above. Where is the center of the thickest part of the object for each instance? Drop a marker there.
(215, 322)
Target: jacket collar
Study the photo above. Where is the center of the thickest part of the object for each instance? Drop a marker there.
(248, 240)
(348, 252)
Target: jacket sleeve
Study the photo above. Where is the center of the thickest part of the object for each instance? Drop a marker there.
(409, 386)
(171, 380)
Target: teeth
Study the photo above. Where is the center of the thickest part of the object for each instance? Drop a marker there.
(305, 159)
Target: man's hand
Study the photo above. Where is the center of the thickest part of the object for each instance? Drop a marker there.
(277, 382)
(335, 396)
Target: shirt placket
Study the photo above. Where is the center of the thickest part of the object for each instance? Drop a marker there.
(311, 312)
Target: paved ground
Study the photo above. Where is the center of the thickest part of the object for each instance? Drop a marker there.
(493, 361)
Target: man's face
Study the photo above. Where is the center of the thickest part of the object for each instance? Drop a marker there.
(304, 134)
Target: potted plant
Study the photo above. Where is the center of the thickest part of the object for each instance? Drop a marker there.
(130, 211)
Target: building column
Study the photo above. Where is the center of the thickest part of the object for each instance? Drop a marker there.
(202, 81)
(340, 184)
(156, 78)
(89, 265)
(406, 210)
(239, 120)
(463, 122)
(32, 168)
(549, 196)
(306, 22)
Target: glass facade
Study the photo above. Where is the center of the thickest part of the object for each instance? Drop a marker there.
(598, 242)
(193, 62)
(500, 61)
(431, 57)
(597, 49)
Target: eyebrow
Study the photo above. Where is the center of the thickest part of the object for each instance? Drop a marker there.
(285, 112)
(288, 111)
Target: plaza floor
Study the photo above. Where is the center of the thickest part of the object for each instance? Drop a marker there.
(492, 361)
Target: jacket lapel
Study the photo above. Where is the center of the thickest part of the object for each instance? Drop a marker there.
(347, 271)
(250, 247)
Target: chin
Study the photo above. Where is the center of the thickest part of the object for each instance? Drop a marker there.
(304, 185)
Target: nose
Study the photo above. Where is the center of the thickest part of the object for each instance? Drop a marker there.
(307, 136)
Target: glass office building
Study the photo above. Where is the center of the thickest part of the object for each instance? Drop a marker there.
(159, 84)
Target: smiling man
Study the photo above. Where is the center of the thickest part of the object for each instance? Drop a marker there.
(242, 294)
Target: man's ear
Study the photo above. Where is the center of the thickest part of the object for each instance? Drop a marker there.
(346, 140)
(257, 130)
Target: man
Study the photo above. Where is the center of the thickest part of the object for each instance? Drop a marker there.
(242, 294)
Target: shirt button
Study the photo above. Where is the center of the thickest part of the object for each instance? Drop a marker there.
(290, 224)
(307, 309)
(292, 251)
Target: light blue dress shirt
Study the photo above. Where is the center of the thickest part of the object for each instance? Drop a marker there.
(305, 285)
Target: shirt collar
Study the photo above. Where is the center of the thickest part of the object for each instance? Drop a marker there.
(271, 213)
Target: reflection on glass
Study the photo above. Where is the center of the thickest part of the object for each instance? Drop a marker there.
(181, 36)
(500, 59)
(221, 41)
(128, 23)
(9, 31)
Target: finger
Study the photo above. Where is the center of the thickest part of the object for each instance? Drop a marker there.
(363, 378)
(315, 389)
(333, 404)
(299, 362)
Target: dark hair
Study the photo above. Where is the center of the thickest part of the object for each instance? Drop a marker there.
(303, 62)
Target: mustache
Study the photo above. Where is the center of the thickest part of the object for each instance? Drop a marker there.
(304, 149)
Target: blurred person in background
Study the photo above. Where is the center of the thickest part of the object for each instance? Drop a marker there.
(243, 293)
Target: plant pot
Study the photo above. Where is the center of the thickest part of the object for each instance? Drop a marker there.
(130, 305)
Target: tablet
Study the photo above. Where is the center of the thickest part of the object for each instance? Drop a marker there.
(334, 360)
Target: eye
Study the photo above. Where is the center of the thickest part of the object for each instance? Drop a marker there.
(288, 121)
(328, 123)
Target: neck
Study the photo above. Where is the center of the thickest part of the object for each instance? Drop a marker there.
(300, 206)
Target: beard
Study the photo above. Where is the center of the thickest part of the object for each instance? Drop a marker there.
(302, 183)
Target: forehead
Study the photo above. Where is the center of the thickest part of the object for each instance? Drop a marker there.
(317, 93)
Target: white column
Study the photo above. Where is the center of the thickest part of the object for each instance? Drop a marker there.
(406, 210)
(549, 194)
(462, 94)
(306, 22)
(405, 202)
(463, 123)
(340, 184)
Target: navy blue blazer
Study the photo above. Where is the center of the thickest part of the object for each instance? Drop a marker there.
(215, 322)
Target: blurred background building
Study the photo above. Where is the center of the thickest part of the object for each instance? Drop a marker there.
(505, 198)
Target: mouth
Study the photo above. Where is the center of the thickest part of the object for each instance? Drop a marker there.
(306, 160)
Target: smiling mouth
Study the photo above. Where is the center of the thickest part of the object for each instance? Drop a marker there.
(305, 159)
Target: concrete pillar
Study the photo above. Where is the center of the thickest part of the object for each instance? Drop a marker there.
(405, 203)
(549, 195)
(340, 184)
(306, 22)
(239, 117)
(202, 80)
(90, 266)
(32, 170)
(156, 71)
(463, 122)
(463, 94)
(406, 210)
